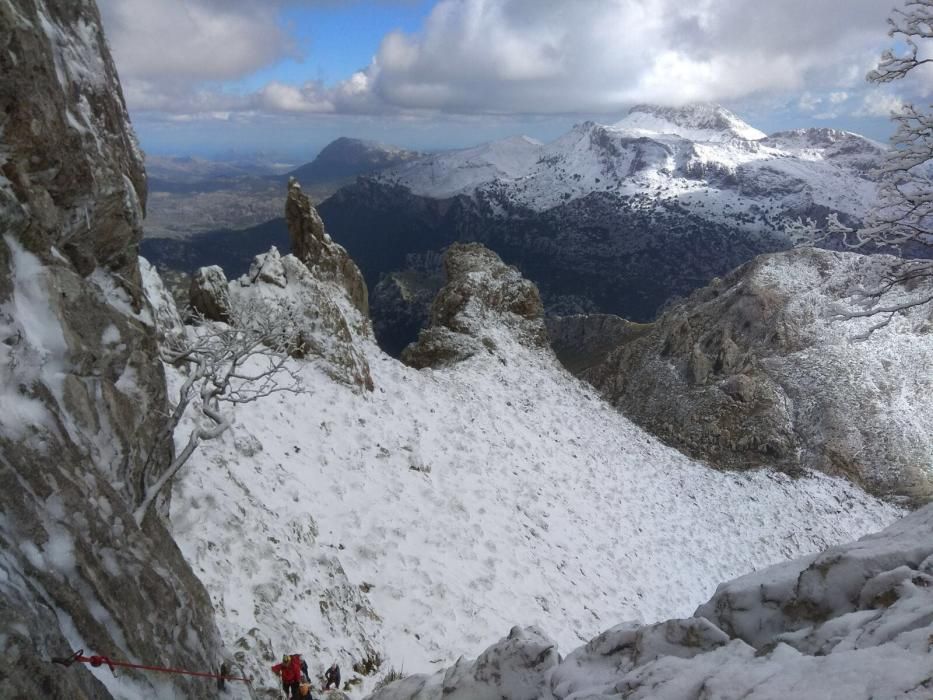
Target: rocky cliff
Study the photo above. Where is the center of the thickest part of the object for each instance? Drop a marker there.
(81, 385)
(852, 622)
(757, 369)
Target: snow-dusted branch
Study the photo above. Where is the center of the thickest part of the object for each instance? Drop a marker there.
(912, 24)
(226, 364)
(902, 220)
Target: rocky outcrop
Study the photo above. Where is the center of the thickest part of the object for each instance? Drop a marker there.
(514, 668)
(208, 294)
(484, 303)
(312, 245)
(756, 369)
(851, 622)
(326, 322)
(81, 386)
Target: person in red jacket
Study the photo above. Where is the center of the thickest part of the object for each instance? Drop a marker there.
(291, 670)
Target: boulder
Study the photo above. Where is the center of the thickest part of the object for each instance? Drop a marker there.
(516, 667)
(208, 294)
(326, 322)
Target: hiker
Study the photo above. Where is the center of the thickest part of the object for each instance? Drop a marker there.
(292, 668)
(224, 672)
(332, 677)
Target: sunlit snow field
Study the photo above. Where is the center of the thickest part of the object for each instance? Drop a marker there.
(465, 501)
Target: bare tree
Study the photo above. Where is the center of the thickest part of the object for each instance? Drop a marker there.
(902, 220)
(226, 364)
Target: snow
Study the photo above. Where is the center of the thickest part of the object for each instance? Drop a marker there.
(460, 172)
(110, 336)
(696, 123)
(428, 516)
(33, 350)
(77, 53)
(852, 623)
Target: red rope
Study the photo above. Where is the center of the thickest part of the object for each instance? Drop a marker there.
(97, 660)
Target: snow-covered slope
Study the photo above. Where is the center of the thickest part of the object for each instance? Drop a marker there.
(702, 156)
(852, 623)
(460, 172)
(421, 520)
(758, 368)
(701, 122)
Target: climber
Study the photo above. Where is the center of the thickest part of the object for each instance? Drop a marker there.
(292, 668)
(332, 677)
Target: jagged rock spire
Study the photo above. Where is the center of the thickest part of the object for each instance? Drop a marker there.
(314, 247)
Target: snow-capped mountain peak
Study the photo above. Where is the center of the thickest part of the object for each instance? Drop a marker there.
(696, 122)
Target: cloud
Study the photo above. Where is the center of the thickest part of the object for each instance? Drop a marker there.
(878, 103)
(505, 56)
(193, 40)
(591, 55)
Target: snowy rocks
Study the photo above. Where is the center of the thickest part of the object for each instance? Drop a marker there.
(851, 622)
(208, 294)
(879, 571)
(313, 246)
(68, 150)
(482, 299)
(81, 386)
(327, 323)
(513, 668)
(756, 369)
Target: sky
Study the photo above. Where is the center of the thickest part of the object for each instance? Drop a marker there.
(285, 77)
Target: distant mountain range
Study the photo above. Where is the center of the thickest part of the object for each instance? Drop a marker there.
(195, 195)
(619, 218)
(346, 158)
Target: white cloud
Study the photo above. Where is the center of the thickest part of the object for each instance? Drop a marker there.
(591, 55)
(878, 103)
(808, 102)
(193, 39)
(506, 56)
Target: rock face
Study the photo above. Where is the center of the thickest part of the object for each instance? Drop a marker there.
(313, 246)
(585, 340)
(483, 298)
(80, 381)
(755, 369)
(851, 622)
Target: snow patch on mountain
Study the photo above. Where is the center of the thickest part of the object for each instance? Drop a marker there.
(702, 122)
(460, 172)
